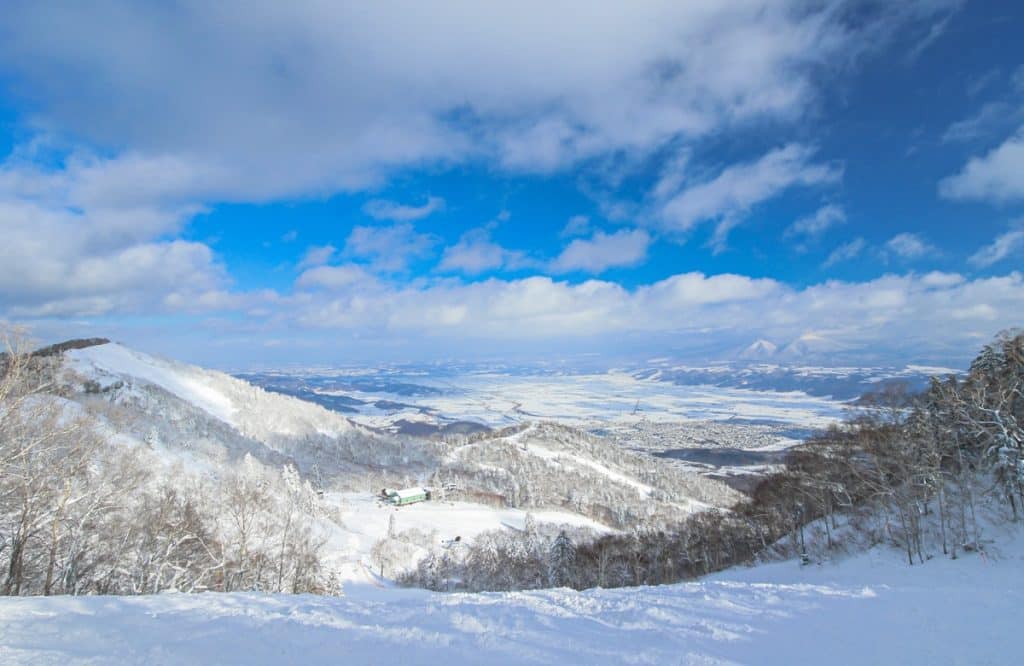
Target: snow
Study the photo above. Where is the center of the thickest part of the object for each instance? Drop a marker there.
(364, 521)
(868, 609)
(587, 399)
(119, 360)
(548, 454)
(871, 608)
(197, 420)
(250, 410)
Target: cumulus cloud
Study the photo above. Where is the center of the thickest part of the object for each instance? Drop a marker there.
(390, 248)
(477, 253)
(818, 223)
(1004, 245)
(305, 99)
(845, 252)
(577, 225)
(935, 312)
(997, 176)
(75, 244)
(334, 277)
(284, 99)
(381, 209)
(908, 246)
(729, 197)
(316, 256)
(627, 247)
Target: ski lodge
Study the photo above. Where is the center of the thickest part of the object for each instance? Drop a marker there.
(408, 496)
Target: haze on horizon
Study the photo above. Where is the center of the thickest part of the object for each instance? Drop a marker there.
(245, 183)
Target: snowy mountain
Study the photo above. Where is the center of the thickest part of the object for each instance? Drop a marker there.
(839, 383)
(811, 346)
(252, 411)
(206, 423)
(759, 350)
(183, 408)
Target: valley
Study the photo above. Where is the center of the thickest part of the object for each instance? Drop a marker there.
(680, 424)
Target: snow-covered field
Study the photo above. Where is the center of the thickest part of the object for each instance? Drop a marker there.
(584, 399)
(364, 521)
(869, 609)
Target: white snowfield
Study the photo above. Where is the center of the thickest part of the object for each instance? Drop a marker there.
(870, 609)
(612, 397)
(364, 521)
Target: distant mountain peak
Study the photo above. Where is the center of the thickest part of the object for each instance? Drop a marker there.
(811, 345)
(759, 350)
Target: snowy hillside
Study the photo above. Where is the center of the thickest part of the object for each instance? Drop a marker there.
(253, 411)
(548, 465)
(201, 423)
(870, 609)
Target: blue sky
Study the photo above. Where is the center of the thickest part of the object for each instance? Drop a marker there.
(255, 183)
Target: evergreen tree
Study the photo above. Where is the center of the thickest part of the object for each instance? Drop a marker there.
(562, 561)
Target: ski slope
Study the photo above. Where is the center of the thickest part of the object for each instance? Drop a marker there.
(250, 410)
(869, 609)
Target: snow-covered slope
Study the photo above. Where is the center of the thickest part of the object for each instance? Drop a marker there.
(870, 609)
(208, 418)
(549, 465)
(759, 350)
(251, 410)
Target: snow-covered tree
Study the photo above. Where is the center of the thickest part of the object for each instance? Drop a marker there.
(562, 561)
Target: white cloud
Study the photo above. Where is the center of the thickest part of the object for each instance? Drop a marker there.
(728, 197)
(316, 255)
(696, 289)
(389, 248)
(627, 247)
(983, 82)
(1004, 245)
(578, 225)
(309, 97)
(932, 313)
(477, 253)
(74, 246)
(822, 220)
(290, 236)
(997, 176)
(845, 252)
(996, 117)
(334, 277)
(940, 279)
(989, 119)
(908, 246)
(381, 209)
(936, 31)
